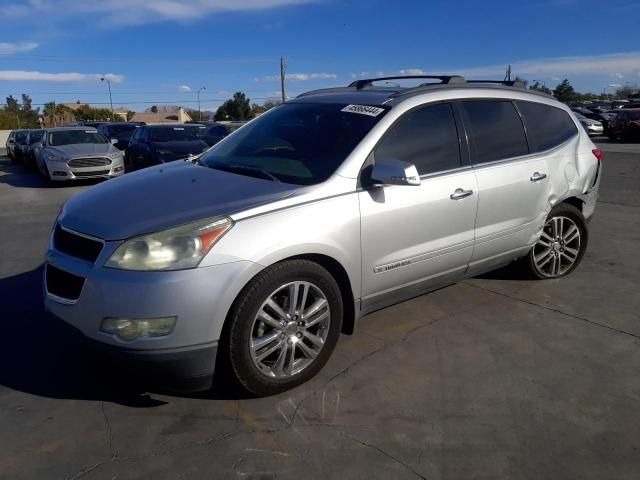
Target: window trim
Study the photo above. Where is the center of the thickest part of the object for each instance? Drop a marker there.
(468, 129)
(522, 118)
(462, 142)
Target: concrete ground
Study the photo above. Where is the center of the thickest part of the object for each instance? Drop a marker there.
(492, 378)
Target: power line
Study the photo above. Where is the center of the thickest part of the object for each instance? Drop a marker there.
(156, 102)
(62, 58)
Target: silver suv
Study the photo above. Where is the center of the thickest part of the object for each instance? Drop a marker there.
(333, 205)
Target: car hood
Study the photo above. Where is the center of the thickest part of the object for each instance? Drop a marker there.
(80, 149)
(185, 147)
(165, 196)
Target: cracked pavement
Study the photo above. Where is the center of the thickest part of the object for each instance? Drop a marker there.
(494, 377)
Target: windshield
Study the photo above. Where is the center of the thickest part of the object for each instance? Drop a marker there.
(72, 137)
(198, 130)
(21, 136)
(175, 134)
(302, 143)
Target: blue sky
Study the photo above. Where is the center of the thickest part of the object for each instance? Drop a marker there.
(162, 51)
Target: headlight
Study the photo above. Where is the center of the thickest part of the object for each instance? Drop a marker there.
(174, 249)
(54, 158)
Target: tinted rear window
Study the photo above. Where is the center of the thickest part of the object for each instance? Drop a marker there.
(547, 126)
(495, 130)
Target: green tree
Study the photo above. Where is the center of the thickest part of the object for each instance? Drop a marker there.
(11, 104)
(130, 115)
(537, 86)
(87, 112)
(237, 108)
(50, 112)
(565, 92)
(154, 109)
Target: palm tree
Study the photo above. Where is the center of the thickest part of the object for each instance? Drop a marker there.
(50, 111)
(60, 111)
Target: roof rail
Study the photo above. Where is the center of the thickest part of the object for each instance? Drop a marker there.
(444, 79)
(507, 83)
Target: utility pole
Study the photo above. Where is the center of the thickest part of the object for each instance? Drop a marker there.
(282, 71)
(199, 111)
(113, 118)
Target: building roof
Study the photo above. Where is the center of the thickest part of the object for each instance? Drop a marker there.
(179, 116)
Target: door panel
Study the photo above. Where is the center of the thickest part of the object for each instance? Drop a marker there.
(511, 206)
(412, 233)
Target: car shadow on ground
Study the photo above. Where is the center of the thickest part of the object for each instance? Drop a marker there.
(39, 357)
(18, 175)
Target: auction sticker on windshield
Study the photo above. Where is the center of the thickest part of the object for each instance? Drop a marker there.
(363, 110)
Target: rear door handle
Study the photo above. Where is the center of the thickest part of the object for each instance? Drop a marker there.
(537, 176)
(459, 194)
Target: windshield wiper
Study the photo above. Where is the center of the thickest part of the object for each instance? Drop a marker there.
(246, 169)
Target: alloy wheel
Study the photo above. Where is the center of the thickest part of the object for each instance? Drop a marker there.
(290, 329)
(558, 248)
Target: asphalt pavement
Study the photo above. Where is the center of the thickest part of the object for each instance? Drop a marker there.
(492, 378)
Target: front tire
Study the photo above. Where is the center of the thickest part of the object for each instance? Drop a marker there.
(283, 327)
(562, 244)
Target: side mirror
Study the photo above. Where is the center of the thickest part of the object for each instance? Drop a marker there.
(11, 142)
(114, 141)
(394, 172)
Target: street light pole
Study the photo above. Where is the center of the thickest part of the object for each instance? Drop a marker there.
(199, 111)
(103, 79)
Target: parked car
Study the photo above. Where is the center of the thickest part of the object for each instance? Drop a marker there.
(74, 153)
(14, 137)
(30, 147)
(15, 143)
(210, 133)
(625, 125)
(120, 132)
(593, 127)
(154, 144)
(328, 207)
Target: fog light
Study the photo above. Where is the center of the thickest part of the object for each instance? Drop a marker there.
(58, 173)
(132, 328)
(118, 169)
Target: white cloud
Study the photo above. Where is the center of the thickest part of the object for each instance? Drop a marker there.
(127, 12)
(617, 75)
(619, 63)
(184, 88)
(26, 76)
(11, 48)
(301, 76)
(413, 71)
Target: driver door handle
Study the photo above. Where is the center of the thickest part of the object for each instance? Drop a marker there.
(459, 194)
(537, 176)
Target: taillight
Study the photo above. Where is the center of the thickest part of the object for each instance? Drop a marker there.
(598, 153)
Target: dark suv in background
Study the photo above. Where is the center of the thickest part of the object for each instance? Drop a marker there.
(153, 144)
(31, 144)
(120, 131)
(625, 125)
(210, 133)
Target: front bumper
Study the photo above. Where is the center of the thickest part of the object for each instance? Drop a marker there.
(61, 171)
(200, 299)
(594, 130)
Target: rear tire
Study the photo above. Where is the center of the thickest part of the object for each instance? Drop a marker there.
(283, 327)
(562, 244)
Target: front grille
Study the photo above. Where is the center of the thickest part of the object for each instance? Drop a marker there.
(63, 284)
(91, 174)
(89, 162)
(76, 245)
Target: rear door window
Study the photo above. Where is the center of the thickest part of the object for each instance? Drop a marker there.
(427, 137)
(547, 126)
(495, 130)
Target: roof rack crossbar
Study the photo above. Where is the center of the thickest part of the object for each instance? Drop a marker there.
(444, 79)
